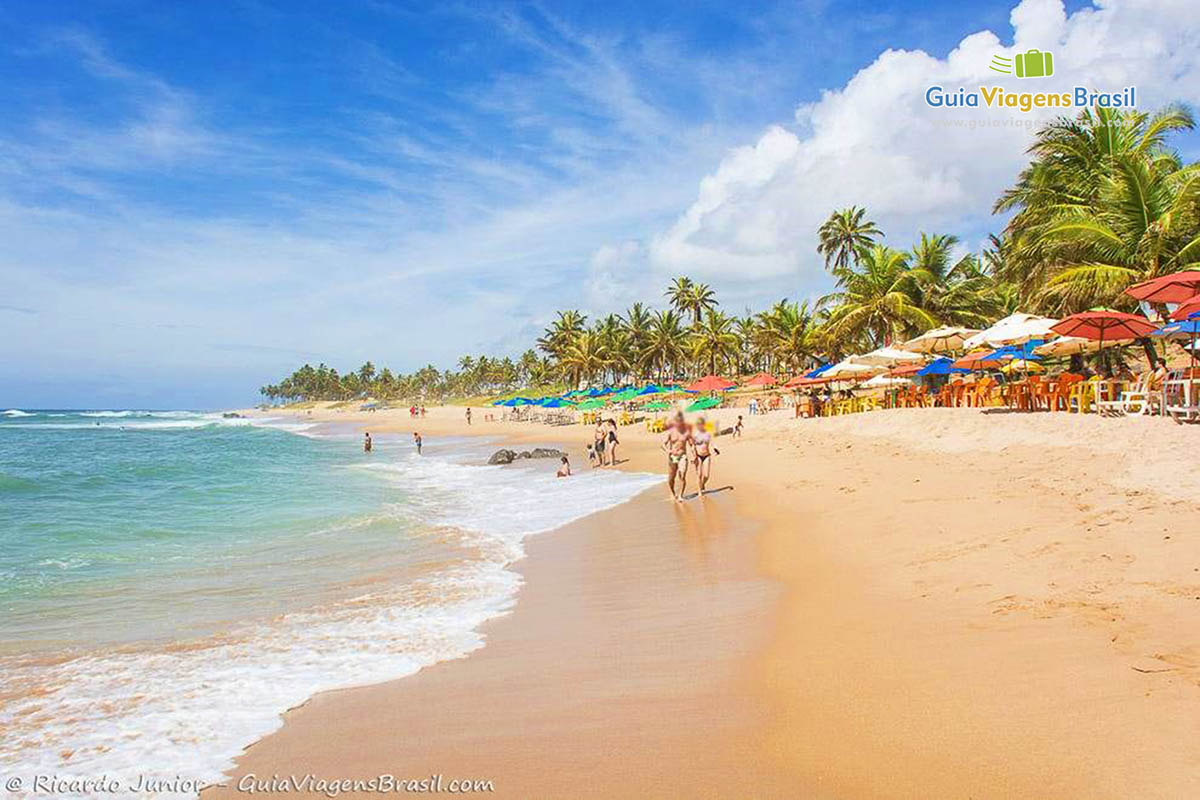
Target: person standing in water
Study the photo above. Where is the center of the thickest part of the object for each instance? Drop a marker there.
(676, 444)
(417, 440)
(703, 451)
(366, 442)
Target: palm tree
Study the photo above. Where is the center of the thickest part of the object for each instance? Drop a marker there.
(664, 348)
(679, 294)
(875, 304)
(843, 236)
(714, 341)
(585, 358)
(954, 294)
(561, 333)
(1105, 201)
(636, 327)
(703, 299)
(788, 334)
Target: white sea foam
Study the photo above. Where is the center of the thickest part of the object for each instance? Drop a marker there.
(158, 421)
(188, 711)
(15, 412)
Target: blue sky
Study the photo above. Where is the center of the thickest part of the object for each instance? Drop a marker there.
(196, 198)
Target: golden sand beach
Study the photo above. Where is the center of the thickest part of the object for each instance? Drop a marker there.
(920, 603)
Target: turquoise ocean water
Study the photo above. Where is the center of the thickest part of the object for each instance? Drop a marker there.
(170, 582)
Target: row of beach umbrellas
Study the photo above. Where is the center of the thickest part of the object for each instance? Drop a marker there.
(1018, 341)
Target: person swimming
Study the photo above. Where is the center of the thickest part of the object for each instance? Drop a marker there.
(366, 442)
(676, 443)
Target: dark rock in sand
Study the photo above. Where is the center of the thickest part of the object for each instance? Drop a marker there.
(509, 456)
(502, 457)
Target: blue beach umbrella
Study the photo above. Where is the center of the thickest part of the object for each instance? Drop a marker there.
(1019, 351)
(816, 373)
(1187, 327)
(941, 366)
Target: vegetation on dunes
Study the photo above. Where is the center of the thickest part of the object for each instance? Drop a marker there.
(1103, 204)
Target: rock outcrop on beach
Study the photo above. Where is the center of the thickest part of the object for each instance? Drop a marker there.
(504, 456)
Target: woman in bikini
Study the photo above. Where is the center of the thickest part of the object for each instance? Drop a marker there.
(612, 441)
(704, 451)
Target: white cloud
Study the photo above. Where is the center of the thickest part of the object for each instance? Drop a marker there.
(875, 143)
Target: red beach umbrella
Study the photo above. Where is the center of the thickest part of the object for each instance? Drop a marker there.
(977, 360)
(1104, 323)
(1187, 308)
(762, 379)
(710, 383)
(905, 370)
(1173, 288)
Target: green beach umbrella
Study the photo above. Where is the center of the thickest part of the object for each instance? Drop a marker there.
(621, 397)
(588, 405)
(704, 403)
(657, 405)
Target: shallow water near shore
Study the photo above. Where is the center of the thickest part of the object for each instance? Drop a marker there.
(175, 580)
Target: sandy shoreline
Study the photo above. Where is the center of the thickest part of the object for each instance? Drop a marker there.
(924, 603)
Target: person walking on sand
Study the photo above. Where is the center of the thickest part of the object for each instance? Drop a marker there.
(366, 442)
(468, 415)
(737, 429)
(599, 438)
(676, 444)
(418, 441)
(564, 469)
(703, 451)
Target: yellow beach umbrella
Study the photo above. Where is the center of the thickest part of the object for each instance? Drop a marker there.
(1023, 366)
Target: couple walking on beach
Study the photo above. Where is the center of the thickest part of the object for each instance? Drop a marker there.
(603, 449)
(683, 443)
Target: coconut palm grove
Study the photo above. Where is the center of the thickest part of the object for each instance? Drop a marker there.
(1104, 202)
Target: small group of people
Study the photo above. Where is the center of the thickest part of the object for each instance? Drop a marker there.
(369, 444)
(602, 451)
(416, 411)
(686, 444)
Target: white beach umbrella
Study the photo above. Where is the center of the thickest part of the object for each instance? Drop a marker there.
(939, 340)
(886, 381)
(1013, 329)
(1021, 332)
(886, 357)
(847, 370)
(1069, 346)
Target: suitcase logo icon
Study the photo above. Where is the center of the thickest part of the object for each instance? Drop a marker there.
(1030, 64)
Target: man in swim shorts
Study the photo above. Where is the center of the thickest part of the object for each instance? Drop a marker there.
(678, 437)
(599, 440)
